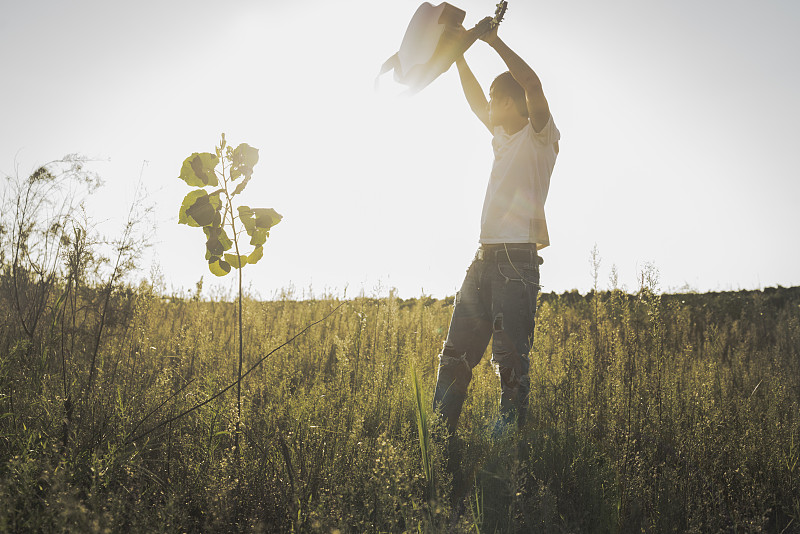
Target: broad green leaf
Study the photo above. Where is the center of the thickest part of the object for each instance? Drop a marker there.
(202, 211)
(213, 248)
(219, 267)
(198, 170)
(257, 222)
(241, 186)
(224, 239)
(216, 203)
(214, 198)
(188, 202)
(246, 216)
(259, 236)
(236, 261)
(243, 159)
(266, 217)
(256, 255)
(220, 233)
(217, 243)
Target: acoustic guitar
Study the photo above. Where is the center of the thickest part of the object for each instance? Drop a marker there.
(433, 41)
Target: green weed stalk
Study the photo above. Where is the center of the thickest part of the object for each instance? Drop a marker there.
(421, 414)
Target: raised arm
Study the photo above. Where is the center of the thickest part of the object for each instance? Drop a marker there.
(538, 109)
(472, 90)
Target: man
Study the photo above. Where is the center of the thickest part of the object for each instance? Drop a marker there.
(497, 300)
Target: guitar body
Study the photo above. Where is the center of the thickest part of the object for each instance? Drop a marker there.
(430, 31)
(432, 42)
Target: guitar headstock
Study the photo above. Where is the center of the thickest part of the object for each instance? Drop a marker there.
(499, 13)
(489, 23)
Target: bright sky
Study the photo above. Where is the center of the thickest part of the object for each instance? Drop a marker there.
(679, 125)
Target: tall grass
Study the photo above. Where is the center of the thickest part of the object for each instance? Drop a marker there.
(421, 412)
(648, 412)
(655, 412)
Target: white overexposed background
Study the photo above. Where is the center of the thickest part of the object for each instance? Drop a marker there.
(679, 125)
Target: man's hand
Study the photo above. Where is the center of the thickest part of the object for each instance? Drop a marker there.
(490, 37)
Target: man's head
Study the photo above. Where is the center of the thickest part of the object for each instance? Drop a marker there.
(506, 100)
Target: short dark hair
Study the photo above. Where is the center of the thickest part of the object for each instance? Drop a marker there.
(505, 85)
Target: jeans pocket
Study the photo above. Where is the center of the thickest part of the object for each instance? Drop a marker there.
(525, 272)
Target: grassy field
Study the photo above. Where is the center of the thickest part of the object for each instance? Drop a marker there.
(119, 407)
(657, 413)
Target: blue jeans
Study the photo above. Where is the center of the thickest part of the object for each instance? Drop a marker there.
(497, 301)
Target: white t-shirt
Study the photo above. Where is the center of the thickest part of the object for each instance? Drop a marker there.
(513, 210)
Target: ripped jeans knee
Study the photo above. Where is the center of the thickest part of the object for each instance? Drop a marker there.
(454, 369)
(454, 376)
(515, 387)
